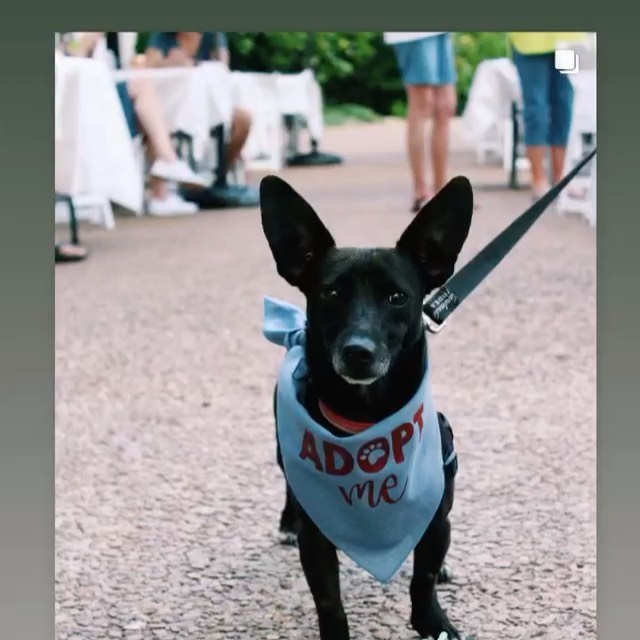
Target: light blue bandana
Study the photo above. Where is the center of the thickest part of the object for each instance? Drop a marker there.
(373, 494)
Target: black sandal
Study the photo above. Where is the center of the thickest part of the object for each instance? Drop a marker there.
(70, 253)
(418, 203)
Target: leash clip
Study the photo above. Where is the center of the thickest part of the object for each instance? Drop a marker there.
(438, 301)
(432, 326)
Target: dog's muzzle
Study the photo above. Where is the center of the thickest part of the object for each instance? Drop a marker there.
(358, 361)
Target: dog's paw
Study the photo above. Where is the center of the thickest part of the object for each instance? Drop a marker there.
(372, 453)
(435, 625)
(412, 634)
(289, 528)
(287, 538)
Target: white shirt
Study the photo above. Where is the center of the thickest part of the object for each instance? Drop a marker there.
(397, 37)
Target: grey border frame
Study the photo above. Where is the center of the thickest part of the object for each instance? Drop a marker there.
(27, 304)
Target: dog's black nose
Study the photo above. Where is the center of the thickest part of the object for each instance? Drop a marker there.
(358, 351)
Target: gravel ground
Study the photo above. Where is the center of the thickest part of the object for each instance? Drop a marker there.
(167, 492)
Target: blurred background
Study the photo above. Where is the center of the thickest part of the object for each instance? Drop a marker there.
(358, 72)
(259, 101)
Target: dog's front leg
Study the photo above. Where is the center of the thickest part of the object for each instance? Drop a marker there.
(319, 561)
(427, 617)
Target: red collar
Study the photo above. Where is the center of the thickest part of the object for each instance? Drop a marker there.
(344, 424)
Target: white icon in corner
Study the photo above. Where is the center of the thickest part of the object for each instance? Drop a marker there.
(567, 61)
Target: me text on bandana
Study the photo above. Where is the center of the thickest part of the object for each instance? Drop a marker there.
(373, 494)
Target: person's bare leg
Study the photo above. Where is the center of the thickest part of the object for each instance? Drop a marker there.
(558, 155)
(240, 128)
(149, 113)
(539, 179)
(420, 108)
(159, 188)
(444, 109)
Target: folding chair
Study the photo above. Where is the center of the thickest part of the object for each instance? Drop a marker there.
(513, 156)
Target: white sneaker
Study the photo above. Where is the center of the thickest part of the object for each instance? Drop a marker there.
(178, 171)
(172, 205)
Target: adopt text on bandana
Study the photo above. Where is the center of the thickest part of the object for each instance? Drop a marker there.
(371, 458)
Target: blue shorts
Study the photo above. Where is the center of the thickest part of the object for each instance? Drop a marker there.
(127, 107)
(428, 61)
(547, 95)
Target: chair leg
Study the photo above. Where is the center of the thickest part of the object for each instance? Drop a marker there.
(217, 133)
(513, 178)
(183, 144)
(73, 220)
(292, 125)
(313, 158)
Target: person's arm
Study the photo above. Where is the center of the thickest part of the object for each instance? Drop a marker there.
(220, 51)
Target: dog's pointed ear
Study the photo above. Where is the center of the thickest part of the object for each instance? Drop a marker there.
(436, 235)
(297, 237)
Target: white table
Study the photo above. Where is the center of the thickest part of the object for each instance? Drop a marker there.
(487, 120)
(269, 97)
(487, 114)
(197, 99)
(257, 93)
(194, 99)
(94, 153)
(300, 94)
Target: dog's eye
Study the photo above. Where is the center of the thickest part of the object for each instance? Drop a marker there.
(398, 299)
(329, 293)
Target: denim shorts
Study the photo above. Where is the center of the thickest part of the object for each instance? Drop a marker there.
(428, 61)
(547, 95)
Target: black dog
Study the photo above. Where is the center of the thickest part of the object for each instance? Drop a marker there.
(365, 349)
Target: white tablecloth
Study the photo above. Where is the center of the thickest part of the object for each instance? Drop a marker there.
(60, 77)
(300, 94)
(584, 106)
(94, 153)
(257, 93)
(292, 93)
(194, 99)
(269, 97)
(494, 88)
(496, 85)
(583, 122)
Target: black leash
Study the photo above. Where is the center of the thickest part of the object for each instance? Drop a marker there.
(444, 301)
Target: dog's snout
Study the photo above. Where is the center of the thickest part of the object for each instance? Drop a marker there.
(360, 359)
(359, 351)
